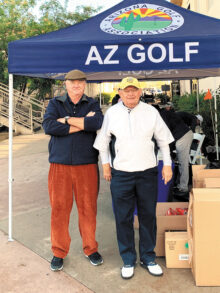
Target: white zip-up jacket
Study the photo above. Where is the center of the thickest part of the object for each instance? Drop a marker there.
(131, 131)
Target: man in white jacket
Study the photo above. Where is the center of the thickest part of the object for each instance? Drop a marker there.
(127, 151)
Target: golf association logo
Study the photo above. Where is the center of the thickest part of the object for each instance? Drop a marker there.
(142, 19)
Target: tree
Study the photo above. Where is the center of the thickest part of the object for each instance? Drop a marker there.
(18, 22)
(14, 19)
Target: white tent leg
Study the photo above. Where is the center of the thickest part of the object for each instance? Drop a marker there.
(10, 156)
(197, 95)
(100, 94)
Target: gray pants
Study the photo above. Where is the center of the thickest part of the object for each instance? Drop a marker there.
(182, 149)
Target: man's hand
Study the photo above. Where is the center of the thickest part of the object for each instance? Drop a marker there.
(61, 120)
(167, 174)
(74, 129)
(90, 114)
(107, 171)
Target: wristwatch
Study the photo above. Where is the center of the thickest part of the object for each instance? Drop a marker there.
(66, 119)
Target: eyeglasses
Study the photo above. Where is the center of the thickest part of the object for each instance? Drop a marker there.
(131, 90)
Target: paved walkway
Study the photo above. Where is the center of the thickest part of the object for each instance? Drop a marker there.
(21, 269)
(25, 261)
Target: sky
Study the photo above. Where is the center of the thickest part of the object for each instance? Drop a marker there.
(72, 4)
(105, 4)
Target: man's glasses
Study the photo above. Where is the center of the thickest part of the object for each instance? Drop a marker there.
(131, 90)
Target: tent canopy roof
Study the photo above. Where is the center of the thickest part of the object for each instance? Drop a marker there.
(151, 39)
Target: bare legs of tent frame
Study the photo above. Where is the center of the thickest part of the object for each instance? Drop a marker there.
(10, 156)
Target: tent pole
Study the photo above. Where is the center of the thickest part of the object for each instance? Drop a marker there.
(10, 155)
(197, 95)
(100, 94)
(216, 121)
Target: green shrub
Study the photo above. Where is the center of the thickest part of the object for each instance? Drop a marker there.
(163, 98)
(186, 103)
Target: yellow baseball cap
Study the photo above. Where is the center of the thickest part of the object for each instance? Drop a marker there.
(129, 81)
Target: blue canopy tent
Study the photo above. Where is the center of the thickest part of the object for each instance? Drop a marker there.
(151, 39)
(154, 38)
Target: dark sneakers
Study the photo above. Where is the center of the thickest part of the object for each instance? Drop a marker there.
(56, 264)
(95, 258)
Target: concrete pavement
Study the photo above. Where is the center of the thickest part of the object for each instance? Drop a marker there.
(25, 261)
(22, 270)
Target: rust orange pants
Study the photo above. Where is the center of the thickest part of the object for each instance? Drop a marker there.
(63, 182)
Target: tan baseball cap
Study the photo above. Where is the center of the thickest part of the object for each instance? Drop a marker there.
(129, 81)
(75, 75)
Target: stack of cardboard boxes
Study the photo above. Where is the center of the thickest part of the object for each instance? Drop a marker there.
(204, 236)
(193, 240)
(202, 177)
(177, 250)
(203, 226)
(167, 223)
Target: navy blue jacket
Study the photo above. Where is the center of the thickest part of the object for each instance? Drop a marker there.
(176, 125)
(75, 148)
(189, 119)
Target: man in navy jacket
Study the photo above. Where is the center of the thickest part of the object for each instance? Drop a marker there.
(72, 121)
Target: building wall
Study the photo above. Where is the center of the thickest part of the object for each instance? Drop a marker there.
(209, 8)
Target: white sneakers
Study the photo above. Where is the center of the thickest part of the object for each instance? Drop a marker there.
(127, 272)
(153, 268)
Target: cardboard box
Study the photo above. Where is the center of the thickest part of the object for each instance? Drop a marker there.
(203, 235)
(166, 223)
(199, 174)
(176, 248)
(212, 182)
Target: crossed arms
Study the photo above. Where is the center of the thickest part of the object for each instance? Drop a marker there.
(54, 121)
(76, 124)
